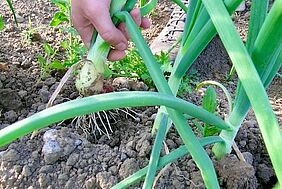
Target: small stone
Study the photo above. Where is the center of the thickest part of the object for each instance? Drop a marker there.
(26, 171)
(35, 155)
(243, 143)
(50, 135)
(50, 81)
(22, 93)
(120, 83)
(51, 151)
(153, 116)
(11, 156)
(128, 167)
(130, 144)
(44, 95)
(170, 144)
(20, 19)
(250, 124)
(18, 168)
(63, 178)
(77, 142)
(90, 183)
(11, 116)
(87, 155)
(9, 99)
(113, 170)
(123, 157)
(248, 157)
(149, 123)
(41, 107)
(73, 159)
(191, 164)
(44, 180)
(2, 77)
(36, 37)
(105, 180)
(46, 169)
(138, 86)
(83, 163)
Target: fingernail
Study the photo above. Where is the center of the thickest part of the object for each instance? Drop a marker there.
(121, 47)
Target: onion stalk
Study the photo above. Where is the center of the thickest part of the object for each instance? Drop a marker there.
(91, 77)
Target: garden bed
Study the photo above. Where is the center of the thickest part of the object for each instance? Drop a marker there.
(89, 162)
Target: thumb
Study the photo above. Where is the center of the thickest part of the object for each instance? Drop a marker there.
(102, 22)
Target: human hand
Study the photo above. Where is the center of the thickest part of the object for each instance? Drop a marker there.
(88, 15)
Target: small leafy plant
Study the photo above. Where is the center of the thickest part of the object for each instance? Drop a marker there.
(48, 62)
(132, 66)
(71, 49)
(188, 83)
(209, 103)
(31, 33)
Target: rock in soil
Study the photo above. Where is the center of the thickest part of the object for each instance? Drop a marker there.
(63, 158)
(236, 174)
(9, 99)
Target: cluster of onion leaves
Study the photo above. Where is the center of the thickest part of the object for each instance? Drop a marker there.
(256, 65)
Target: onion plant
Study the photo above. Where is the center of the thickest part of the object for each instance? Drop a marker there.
(91, 76)
(264, 47)
(10, 3)
(256, 65)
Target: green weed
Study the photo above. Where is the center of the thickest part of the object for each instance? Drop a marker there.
(188, 83)
(132, 66)
(48, 62)
(71, 49)
(2, 25)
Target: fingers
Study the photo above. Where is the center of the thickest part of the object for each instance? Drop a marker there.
(135, 14)
(85, 31)
(81, 23)
(102, 22)
(115, 55)
(144, 23)
(88, 15)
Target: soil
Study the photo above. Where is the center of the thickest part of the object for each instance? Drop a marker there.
(64, 156)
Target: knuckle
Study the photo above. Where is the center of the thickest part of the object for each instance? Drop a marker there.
(108, 36)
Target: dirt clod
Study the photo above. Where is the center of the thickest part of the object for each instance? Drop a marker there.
(9, 99)
(236, 174)
(77, 162)
(128, 167)
(265, 173)
(105, 180)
